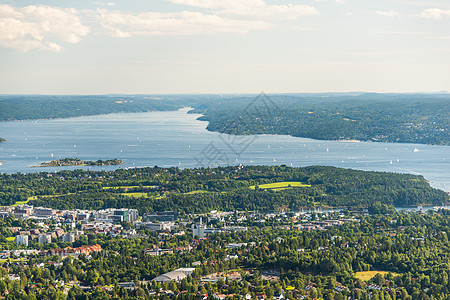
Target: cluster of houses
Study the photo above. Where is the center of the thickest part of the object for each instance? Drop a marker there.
(69, 216)
(69, 251)
(5, 254)
(43, 235)
(201, 230)
(64, 252)
(106, 221)
(318, 225)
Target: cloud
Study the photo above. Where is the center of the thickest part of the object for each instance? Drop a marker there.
(257, 9)
(104, 3)
(122, 24)
(434, 13)
(388, 13)
(403, 32)
(39, 27)
(300, 28)
(337, 1)
(440, 37)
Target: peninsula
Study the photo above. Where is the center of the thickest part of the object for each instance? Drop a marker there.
(70, 162)
(377, 117)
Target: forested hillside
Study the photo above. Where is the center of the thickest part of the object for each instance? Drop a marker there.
(368, 117)
(403, 118)
(49, 107)
(264, 188)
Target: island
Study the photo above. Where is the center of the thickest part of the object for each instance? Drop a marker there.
(70, 162)
(2, 140)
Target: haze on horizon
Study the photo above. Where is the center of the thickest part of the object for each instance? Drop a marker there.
(223, 46)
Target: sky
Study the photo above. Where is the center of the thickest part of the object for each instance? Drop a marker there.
(223, 46)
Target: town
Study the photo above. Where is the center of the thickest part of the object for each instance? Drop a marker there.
(69, 234)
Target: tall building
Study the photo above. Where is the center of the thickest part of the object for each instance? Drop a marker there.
(44, 238)
(198, 230)
(133, 215)
(68, 237)
(42, 212)
(21, 240)
(160, 216)
(129, 215)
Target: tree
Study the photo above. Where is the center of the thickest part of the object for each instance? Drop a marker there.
(92, 277)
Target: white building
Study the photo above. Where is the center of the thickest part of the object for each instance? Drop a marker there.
(44, 238)
(42, 212)
(68, 237)
(156, 226)
(198, 230)
(178, 275)
(21, 240)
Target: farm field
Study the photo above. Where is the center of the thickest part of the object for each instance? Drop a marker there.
(280, 185)
(367, 275)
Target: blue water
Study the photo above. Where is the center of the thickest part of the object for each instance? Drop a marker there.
(178, 139)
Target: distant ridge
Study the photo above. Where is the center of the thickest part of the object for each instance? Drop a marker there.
(390, 117)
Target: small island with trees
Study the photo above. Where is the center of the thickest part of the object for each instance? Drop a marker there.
(70, 162)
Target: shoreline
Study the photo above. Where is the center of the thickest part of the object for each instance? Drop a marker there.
(115, 162)
(191, 110)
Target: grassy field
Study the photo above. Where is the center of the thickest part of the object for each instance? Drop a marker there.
(32, 198)
(277, 186)
(36, 197)
(136, 195)
(196, 192)
(126, 187)
(24, 202)
(10, 239)
(119, 187)
(145, 195)
(367, 275)
(11, 260)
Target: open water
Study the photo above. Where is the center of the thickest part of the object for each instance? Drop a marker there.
(178, 139)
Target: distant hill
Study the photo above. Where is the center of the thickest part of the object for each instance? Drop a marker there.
(50, 107)
(398, 118)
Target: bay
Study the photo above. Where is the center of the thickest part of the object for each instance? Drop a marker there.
(168, 139)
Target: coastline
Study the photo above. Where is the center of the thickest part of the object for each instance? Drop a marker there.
(82, 163)
(191, 110)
